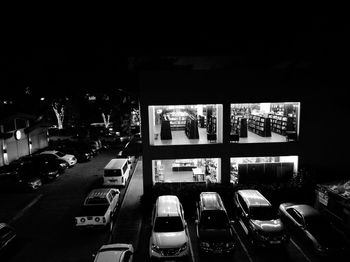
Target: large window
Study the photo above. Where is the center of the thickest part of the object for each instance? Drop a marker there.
(185, 124)
(198, 170)
(264, 122)
(263, 169)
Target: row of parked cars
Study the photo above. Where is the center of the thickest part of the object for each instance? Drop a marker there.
(263, 225)
(30, 172)
(100, 205)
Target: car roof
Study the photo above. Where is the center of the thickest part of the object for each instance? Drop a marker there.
(49, 152)
(110, 255)
(168, 205)
(117, 246)
(306, 210)
(99, 193)
(116, 163)
(113, 252)
(253, 197)
(211, 201)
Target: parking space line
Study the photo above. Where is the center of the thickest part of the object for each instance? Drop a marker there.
(243, 246)
(300, 250)
(21, 212)
(191, 250)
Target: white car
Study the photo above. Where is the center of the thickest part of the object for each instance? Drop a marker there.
(70, 159)
(115, 252)
(169, 238)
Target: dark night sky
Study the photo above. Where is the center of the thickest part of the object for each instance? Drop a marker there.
(88, 58)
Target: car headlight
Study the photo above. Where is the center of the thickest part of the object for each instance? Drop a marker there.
(155, 248)
(183, 247)
(229, 244)
(204, 244)
(321, 248)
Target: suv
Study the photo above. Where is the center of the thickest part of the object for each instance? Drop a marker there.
(258, 219)
(214, 229)
(169, 238)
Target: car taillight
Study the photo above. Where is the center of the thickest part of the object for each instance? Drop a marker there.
(97, 219)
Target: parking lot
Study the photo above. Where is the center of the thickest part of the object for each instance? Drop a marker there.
(44, 220)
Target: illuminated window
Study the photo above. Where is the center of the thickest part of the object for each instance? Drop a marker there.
(185, 124)
(245, 170)
(197, 170)
(264, 122)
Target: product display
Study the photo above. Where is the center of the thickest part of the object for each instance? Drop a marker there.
(191, 128)
(259, 125)
(165, 131)
(211, 128)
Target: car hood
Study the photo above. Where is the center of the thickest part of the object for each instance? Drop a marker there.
(274, 225)
(215, 235)
(327, 237)
(169, 240)
(68, 157)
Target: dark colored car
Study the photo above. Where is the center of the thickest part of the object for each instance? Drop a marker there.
(21, 175)
(7, 170)
(60, 164)
(214, 229)
(7, 236)
(258, 219)
(132, 148)
(82, 155)
(312, 227)
(42, 167)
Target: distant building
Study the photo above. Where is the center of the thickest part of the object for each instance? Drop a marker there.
(21, 135)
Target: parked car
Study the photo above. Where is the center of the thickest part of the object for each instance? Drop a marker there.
(70, 159)
(213, 227)
(132, 148)
(169, 237)
(99, 208)
(61, 164)
(82, 155)
(312, 227)
(7, 236)
(258, 219)
(115, 253)
(29, 177)
(7, 170)
(40, 166)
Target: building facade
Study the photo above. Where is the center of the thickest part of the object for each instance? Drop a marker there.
(20, 137)
(235, 126)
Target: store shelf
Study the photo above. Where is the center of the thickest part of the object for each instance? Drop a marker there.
(259, 125)
(280, 124)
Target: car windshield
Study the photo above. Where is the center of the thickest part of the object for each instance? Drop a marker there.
(262, 213)
(60, 154)
(168, 224)
(214, 219)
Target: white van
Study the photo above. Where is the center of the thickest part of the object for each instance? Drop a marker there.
(116, 172)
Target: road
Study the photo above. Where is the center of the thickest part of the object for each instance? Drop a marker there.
(46, 228)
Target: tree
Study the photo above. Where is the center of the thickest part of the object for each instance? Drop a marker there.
(58, 106)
